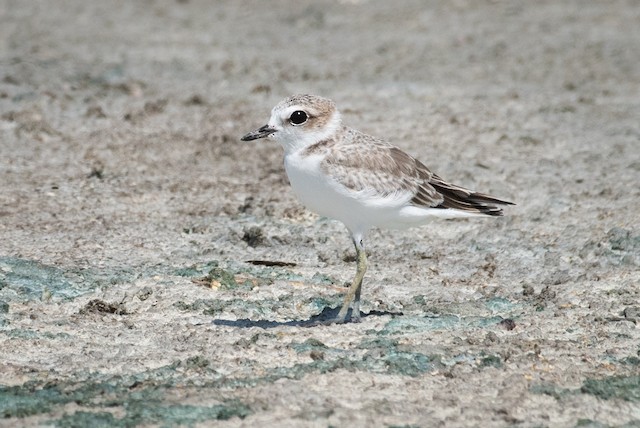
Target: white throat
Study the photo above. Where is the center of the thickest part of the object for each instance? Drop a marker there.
(294, 139)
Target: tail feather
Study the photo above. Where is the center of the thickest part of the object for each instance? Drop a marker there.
(459, 198)
(434, 192)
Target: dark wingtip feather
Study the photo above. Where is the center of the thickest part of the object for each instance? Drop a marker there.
(472, 202)
(486, 204)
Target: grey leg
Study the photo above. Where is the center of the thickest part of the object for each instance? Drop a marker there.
(353, 294)
(355, 311)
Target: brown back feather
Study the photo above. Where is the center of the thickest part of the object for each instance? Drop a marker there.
(395, 170)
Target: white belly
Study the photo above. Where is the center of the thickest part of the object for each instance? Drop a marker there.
(325, 196)
(359, 211)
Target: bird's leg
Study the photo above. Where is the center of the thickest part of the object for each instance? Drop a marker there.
(353, 294)
(355, 311)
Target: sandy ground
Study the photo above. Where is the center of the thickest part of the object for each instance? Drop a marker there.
(129, 210)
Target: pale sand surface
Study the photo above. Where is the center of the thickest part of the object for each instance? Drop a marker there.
(123, 182)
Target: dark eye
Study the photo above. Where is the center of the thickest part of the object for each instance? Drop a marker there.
(298, 117)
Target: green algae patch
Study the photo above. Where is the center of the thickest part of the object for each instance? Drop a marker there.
(22, 279)
(221, 278)
(176, 414)
(22, 333)
(625, 388)
(386, 355)
(295, 372)
(207, 306)
(88, 419)
(216, 276)
(308, 345)
(26, 400)
(623, 240)
(619, 247)
(230, 276)
(631, 361)
(501, 305)
(197, 362)
(259, 310)
(328, 360)
(34, 398)
(163, 415)
(139, 398)
(407, 323)
(407, 363)
(588, 423)
(319, 304)
(404, 324)
(196, 269)
(550, 390)
(322, 279)
(491, 361)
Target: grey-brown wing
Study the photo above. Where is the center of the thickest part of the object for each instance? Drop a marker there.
(378, 168)
(381, 169)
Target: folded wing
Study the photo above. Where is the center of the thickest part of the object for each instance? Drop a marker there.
(382, 170)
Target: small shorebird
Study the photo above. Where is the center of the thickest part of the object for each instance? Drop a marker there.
(360, 180)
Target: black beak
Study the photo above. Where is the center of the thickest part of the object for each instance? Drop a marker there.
(258, 133)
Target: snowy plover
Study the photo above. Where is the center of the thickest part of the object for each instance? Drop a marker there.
(362, 181)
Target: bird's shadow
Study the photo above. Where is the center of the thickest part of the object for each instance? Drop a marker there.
(322, 318)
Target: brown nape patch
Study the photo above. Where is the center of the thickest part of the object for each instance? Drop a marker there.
(319, 119)
(319, 147)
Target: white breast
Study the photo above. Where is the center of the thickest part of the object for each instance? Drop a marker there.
(359, 211)
(312, 187)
